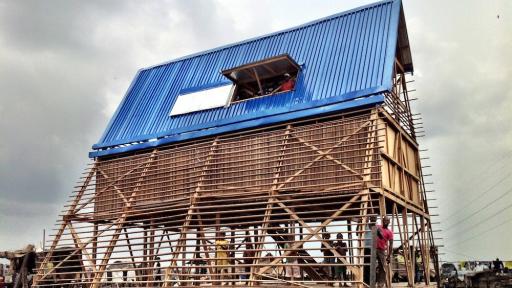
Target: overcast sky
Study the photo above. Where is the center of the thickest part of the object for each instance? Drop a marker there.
(65, 65)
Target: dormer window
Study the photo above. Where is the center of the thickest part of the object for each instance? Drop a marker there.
(263, 78)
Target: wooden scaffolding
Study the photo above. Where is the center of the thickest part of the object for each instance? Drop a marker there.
(257, 208)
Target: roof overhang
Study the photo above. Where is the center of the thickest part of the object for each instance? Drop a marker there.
(403, 47)
(323, 107)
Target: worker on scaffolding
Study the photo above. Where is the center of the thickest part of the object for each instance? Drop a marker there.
(384, 250)
(221, 256)
(288, 84)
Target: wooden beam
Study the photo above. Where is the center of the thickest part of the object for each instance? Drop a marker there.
(311, 235)
(355, 271)
(258, 81)
(71, 211)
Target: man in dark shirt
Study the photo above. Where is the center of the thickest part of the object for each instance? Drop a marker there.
(341, 248)
(498, 265)
(248, 256)
(328, 255)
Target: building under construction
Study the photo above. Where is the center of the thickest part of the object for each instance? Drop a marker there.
(210, 173)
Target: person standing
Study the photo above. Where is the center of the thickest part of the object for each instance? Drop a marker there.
(328, 255)
(221, 256)
(291, 269)
(248, 258)
(158, 271)
(384, 250)
(341, 247)
(498, 265)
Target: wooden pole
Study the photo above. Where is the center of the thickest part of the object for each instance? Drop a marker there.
(373, 258)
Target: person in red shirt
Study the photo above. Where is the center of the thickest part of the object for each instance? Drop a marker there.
(288, 84)
(384, 250)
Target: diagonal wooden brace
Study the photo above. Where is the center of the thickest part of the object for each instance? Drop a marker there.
(310, 235)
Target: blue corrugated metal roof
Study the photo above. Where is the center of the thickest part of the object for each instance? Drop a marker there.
(343, 57)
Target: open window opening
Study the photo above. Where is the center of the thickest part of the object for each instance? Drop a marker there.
(263, 78)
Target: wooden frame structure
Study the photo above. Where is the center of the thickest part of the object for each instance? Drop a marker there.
(252, 208)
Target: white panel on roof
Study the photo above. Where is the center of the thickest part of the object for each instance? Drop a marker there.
(202, 100)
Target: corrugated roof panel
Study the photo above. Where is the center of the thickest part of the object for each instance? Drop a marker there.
(342, 57)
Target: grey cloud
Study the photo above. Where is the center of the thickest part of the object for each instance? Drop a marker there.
(56, 69)
(463, 54)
